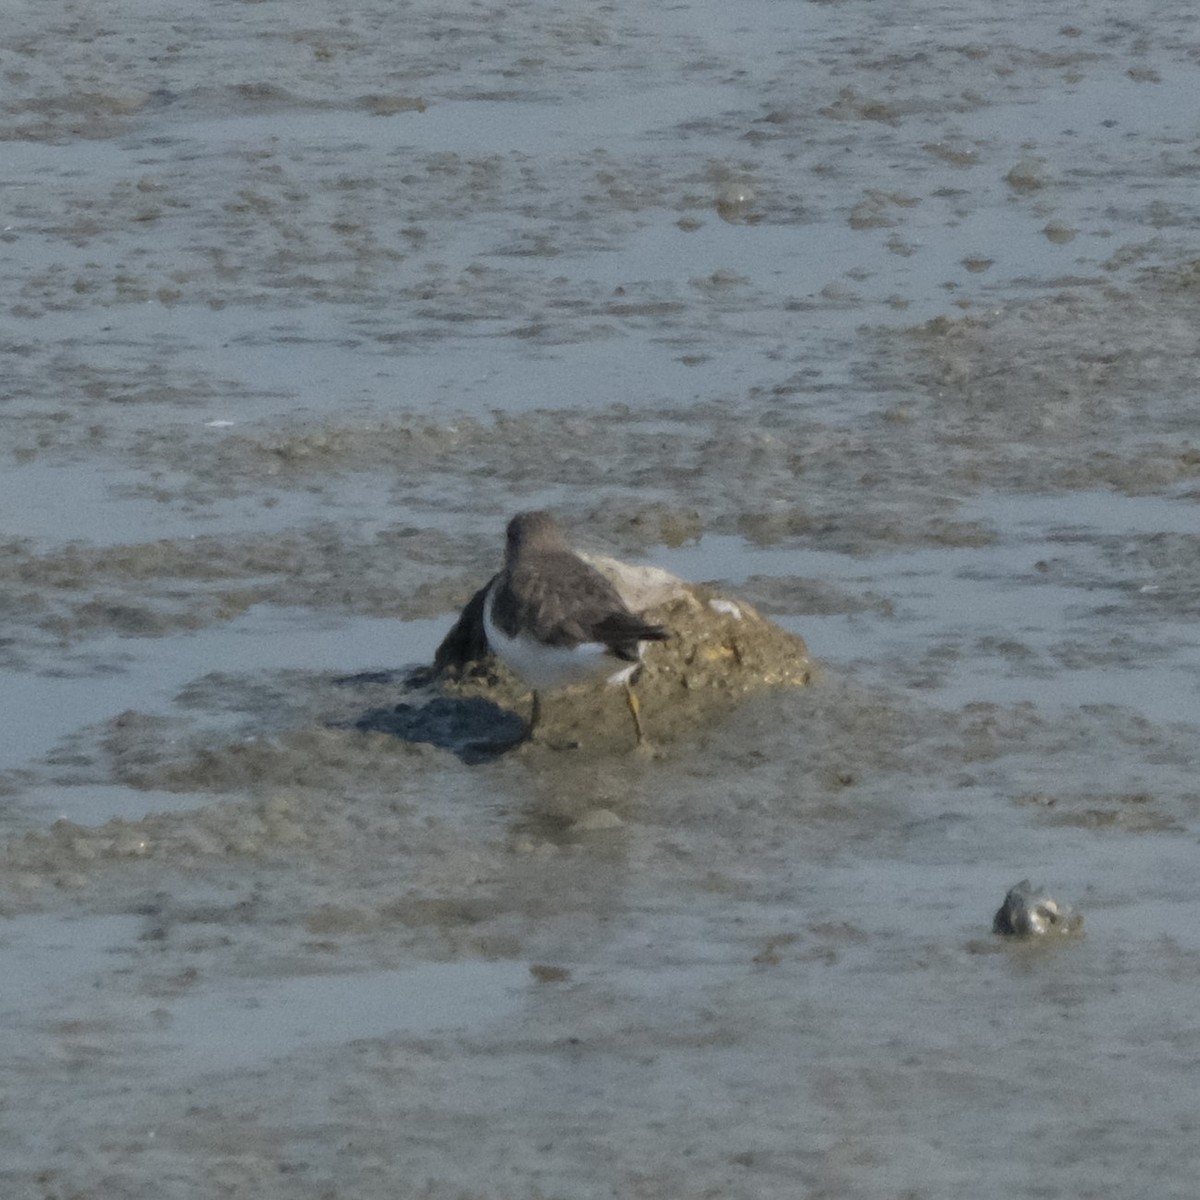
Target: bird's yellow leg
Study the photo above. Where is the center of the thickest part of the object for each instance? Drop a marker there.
(635, 711)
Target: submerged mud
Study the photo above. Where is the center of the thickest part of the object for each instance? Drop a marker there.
(880, 322)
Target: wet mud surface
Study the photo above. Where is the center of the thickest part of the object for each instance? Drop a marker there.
(882, 319)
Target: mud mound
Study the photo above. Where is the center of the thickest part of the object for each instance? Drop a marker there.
(720, 651)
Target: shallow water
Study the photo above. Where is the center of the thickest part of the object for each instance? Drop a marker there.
(883, 317)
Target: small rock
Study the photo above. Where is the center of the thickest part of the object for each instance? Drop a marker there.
(1027, 175)
(598, 818)
(727, 607)
(1028, 911)
(547, 974)
(1059, 233)
(130, 843)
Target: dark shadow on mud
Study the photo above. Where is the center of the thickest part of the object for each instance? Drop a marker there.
(474, 729)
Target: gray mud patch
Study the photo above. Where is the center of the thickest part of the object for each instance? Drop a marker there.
(883, 322)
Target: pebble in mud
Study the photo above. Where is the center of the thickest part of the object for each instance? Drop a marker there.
(1028, 911)
(597, 819)
(734, 201)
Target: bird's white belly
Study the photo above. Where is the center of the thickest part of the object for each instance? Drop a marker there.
(543, 666)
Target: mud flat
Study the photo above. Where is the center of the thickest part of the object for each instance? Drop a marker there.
(882, 322)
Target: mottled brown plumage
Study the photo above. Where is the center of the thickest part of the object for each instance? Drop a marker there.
(555, 619)
(549, 594)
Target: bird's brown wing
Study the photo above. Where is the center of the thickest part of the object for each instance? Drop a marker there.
(621, 633)
(567, 602)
